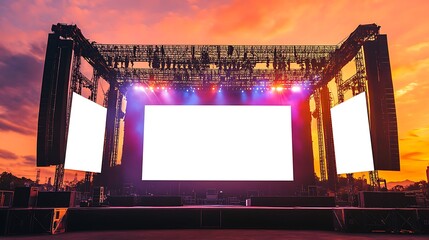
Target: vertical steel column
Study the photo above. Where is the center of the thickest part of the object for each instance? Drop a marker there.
(328, 137)
(321, 146)
(75, 85)
(110, 149)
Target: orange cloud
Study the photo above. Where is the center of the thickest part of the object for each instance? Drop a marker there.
(418, 47)
(413, 156)
(405, 90)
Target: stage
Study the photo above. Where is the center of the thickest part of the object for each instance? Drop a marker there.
(195, 217)
(345, 219)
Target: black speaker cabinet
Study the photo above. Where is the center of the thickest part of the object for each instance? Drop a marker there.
(56, 199)
(382, 200)
(25, 197)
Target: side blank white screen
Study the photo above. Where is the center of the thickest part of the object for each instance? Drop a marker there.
(85, 138)
(225, 143)
(352, 139)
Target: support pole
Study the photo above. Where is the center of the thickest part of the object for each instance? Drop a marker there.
(328, 137)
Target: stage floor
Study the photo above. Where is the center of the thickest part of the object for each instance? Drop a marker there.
(346, 219)
(220, 218)
(200, 217)
(217, 234)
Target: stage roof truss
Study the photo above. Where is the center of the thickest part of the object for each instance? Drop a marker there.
(311, 66)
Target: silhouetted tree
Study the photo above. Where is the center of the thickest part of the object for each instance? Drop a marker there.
(422, 185)
(9, 182)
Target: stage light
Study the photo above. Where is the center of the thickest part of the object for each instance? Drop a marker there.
(138, 88)
(279, 89)
(151, 88)
(296, 89)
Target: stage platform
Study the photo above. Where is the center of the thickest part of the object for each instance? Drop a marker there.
(221, 217)
(344, 219)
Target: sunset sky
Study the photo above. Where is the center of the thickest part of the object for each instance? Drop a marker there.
(24, 26)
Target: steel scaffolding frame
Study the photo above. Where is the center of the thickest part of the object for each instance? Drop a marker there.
(205, 66)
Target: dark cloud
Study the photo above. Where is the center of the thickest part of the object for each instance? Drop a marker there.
(20, 83)
(19, 70)
(29, 159)
(8, 155)
(9, 126)
(38, 49)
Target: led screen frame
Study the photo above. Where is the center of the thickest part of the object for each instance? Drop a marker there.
(85, 140)
(352, 137)
(217, 143)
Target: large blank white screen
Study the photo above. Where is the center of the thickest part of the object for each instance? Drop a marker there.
(85, 138)
(352, 140)
(226, 143)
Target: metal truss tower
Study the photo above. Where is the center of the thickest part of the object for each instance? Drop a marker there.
(318, 115)
(78, 82)
(357, 84)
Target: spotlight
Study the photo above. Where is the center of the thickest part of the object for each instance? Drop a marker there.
(279, 89)
(296, 89)
(138, 88)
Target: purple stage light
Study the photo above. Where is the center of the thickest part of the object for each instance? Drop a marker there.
(296, 89)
